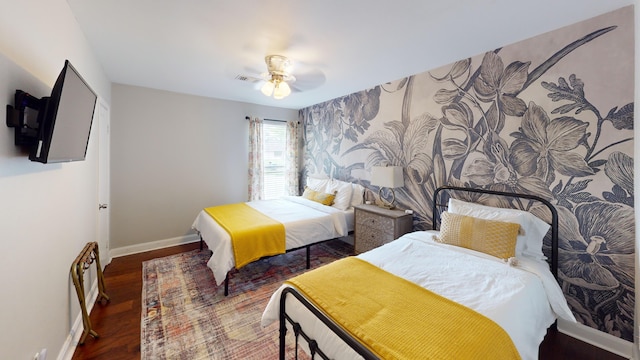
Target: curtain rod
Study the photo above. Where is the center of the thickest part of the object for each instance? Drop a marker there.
(248, 118)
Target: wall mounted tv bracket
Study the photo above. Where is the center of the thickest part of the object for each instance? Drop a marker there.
(24, 117)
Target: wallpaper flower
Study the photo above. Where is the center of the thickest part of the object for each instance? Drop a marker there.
(511, 120)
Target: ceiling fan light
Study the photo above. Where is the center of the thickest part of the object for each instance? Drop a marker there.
(285, 89)
(267, 88)
(278, 92)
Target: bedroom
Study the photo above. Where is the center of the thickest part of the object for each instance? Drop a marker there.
(49, 227)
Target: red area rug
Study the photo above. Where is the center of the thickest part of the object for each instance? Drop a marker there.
(185, 315)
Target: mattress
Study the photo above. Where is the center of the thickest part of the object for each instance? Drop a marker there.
(306, 222)
(524, 299)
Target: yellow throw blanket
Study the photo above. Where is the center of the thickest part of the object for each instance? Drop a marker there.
(397, 319)
(253, 234)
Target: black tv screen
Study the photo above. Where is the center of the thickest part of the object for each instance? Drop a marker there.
(65, 119)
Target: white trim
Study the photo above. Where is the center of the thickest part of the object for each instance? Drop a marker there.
(154, 245)
(597, 338)
(70, 344)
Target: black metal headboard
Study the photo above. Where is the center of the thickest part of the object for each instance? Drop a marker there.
(554, 214)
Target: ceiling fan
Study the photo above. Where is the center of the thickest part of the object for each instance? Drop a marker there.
(278, 77)
(279, 81)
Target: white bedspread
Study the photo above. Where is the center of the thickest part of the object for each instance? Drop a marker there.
(524, 300)
(306, 222)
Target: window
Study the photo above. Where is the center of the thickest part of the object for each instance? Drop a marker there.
(274, 150)
(273, 158)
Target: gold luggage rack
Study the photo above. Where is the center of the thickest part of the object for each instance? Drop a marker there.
(87, 256)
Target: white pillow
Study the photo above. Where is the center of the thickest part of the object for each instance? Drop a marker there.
(343, 193)
(317, 184)
(357, 194)
(529, 243)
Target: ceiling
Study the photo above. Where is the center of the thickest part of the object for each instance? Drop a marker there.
(337, 47)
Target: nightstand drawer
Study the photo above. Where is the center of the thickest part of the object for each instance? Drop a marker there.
(374, 221)
(370, 238)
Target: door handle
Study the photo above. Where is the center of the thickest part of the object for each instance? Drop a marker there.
(102, 206)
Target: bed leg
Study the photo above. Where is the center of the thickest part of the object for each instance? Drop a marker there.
(283, 326)
(309, 257)
(283, 334)
(226, 285)
(201, 243)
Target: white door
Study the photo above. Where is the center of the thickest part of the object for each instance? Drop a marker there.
(103, 182)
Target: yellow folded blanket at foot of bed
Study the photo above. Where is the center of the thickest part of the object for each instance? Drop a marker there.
(397, 319)
(253, 234)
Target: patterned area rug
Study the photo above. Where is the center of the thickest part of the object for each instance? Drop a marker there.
(186, 316)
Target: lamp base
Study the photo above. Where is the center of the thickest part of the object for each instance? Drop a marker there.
(387, 205)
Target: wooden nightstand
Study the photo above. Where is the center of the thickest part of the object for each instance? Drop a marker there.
(375, 226)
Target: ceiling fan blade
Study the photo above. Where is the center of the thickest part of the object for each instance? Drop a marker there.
(253, 71)
(309, 80)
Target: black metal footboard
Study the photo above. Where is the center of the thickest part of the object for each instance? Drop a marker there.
(313, 345)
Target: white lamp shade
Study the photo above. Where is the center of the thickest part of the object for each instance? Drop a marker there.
(267, 88)
(387, 176)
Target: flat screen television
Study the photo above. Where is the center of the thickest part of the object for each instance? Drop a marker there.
(64, 119)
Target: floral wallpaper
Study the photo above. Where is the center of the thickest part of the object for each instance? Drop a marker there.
(551, 116)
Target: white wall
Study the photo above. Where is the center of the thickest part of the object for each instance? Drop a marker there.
(48, 212)
(172, 155)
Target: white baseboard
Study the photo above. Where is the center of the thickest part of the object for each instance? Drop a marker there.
(180, 240)
(597, 338)
(154, 245)
(70, 344)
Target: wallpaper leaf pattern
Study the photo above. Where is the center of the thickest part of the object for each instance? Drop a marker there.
(495, 129)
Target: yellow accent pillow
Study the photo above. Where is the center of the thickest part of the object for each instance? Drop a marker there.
(317, 196)
(496, 238)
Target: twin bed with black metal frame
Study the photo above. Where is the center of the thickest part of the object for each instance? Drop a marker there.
(525, 302)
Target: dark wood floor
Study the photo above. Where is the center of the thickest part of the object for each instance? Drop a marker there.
(118, 322)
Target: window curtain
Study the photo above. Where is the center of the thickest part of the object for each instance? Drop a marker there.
(292, 158)
(256, 182)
